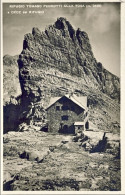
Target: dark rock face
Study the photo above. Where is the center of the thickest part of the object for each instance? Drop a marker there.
(11, 89)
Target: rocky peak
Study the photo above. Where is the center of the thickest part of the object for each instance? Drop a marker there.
(36, 31)
(67, 50)
(66, 28)
(61, 23)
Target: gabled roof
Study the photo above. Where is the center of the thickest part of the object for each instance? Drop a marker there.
(80, 101)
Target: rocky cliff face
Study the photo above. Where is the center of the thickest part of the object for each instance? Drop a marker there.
(59, 61)
(61, 48)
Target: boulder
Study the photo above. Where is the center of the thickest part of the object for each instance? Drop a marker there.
(34, 155)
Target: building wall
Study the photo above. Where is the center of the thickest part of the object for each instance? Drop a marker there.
(54, 116)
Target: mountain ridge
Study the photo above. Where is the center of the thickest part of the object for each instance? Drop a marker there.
(69, 51)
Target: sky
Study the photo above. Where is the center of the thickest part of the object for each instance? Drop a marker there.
(101, 21)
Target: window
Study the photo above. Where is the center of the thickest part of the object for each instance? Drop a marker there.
(57, 108)
(64, 107)
(65, 118)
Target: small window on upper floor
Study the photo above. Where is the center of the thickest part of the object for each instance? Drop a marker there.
(57, 107)
(65, 108)
(65, 118)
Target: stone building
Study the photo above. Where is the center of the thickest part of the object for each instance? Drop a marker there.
(67, 114)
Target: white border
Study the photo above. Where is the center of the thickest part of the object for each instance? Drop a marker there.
(60, 1)
(122, 101)
(122, 96)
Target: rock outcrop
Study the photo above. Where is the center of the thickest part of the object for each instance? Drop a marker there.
(11, 90)
(61, 48)
(11, 84)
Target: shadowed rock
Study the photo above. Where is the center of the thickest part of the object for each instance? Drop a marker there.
(34, 155)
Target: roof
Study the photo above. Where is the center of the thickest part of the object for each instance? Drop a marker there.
(79, 123)
(52, 101)
(80, 101)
